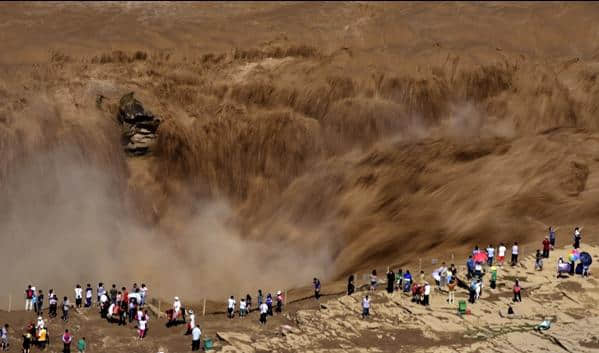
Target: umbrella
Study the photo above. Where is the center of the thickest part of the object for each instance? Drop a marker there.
(586, 259)
(574, 255)
(480, 257)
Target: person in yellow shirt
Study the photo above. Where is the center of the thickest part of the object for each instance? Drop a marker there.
(42, 338)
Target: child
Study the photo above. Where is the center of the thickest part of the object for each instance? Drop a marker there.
(81, 345)
(451, 288)
(517, 289)
(141, 325)
(539, 260)
(493, 277)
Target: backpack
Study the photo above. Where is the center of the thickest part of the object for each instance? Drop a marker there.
(29, 293)
(517, 289)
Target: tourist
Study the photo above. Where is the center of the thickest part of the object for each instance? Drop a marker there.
(577, 237)
(407, 279)
(269, 304)
(142, 326)
(42, 338)
(40, 303)
(29, 298)
(279, 302)
(248, 302)
(65, 309)
(365, 307)
(539, 260)
(552, 237)
(398, 279)
(517, 290)
(546, 247)
(316, 284)
(373, 280)
(67, 338)
(192, 322)
(52, 303)
(81, 345)
(470, 267)
(443, 276)
(143, 294)
(515, 254)
(27, 338)
(390, 281)
(451, 289)
(501, 254)
(490, 254)
(78, 296)
(88, 296)
(472, 291)
(103, 305)
(260, 297)
(196, 334)
(350, 285)
(113, 293)
(242, 308)
(176, 309)
(493, 283)
(100, 291)
(263, 312)
(4, 338)
(427, 294)
(231, 307)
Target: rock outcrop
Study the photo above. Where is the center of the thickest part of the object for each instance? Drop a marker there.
(139, 125)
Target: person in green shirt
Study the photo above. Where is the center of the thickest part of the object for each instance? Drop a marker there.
(81, 345)
(493, 276)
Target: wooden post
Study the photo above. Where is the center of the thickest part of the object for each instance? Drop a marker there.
(452, 257)
(9, 302)
(285, 298)
(204, 308)
(159, 301)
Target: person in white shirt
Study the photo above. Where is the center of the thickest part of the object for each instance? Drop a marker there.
(490, 254)
(176, 309)
(88, 296)
(365, 307)
(40, 323)
(78, 296)
(263, 312)
(501, 254)
(231, 307)
(100, 290)
(242, 307)
(144, 294)
(110, 312)
(196, 333)
(192, 322)
(141, 327)
(103, 305)
(515, 254)
(427, 294)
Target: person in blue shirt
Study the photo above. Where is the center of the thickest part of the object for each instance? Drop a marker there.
(407, 280)
(552, 237)
(470, 266)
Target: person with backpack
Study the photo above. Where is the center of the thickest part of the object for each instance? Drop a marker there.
(88, 296)
(67, 338)
(65, 309)
(29, 298)
(517, 290)
(53, 303)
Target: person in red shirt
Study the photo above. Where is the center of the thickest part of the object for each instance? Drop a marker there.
(546, 247)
